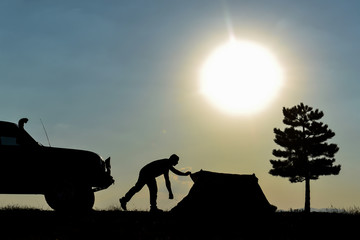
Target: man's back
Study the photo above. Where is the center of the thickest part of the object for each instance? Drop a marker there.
(156, 168)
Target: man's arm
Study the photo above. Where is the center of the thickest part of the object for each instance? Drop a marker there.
(168, 185)
(177, 172)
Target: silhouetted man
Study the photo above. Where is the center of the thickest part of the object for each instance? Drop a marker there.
(147, 176)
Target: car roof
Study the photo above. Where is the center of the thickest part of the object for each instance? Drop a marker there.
(8, 127)
(3, 123)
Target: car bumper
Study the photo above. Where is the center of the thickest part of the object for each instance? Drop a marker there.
(106, 180)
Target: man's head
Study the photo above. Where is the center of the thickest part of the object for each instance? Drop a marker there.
(174, 159)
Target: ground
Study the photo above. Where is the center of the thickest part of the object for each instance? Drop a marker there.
(116, 224)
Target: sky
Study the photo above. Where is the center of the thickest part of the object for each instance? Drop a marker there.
(121, 78)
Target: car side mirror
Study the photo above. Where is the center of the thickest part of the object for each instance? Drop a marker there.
(108, 165)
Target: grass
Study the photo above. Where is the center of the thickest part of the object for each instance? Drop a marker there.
(19, 208)
(352, 210)
(113, 223)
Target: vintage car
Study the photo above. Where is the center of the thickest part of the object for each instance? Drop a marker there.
(67, 178)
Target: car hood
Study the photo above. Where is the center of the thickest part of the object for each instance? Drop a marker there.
(66, 154)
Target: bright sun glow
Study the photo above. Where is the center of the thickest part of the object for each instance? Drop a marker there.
(241, 77)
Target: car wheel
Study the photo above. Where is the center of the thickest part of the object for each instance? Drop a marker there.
(67, 197)
(85, 199)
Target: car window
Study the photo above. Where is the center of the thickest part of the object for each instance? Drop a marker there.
(8, 141)
(11, 135)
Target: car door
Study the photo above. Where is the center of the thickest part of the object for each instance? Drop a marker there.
(9, 159)
(17, 170)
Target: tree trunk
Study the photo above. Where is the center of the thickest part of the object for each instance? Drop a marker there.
(307, 195)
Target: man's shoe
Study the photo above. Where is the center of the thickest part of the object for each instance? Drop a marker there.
(155, 210)
(123, 203)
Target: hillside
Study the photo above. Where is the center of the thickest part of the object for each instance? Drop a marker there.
(115, 224)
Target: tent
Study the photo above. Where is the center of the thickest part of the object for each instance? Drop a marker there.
(221, 193)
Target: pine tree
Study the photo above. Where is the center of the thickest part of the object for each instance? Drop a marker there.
(305, 154)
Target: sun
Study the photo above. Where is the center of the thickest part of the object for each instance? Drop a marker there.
(241, 77)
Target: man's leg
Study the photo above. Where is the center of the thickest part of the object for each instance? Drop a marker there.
(138, 186)
(153, 194)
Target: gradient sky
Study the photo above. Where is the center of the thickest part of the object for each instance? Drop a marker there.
(121, 78)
